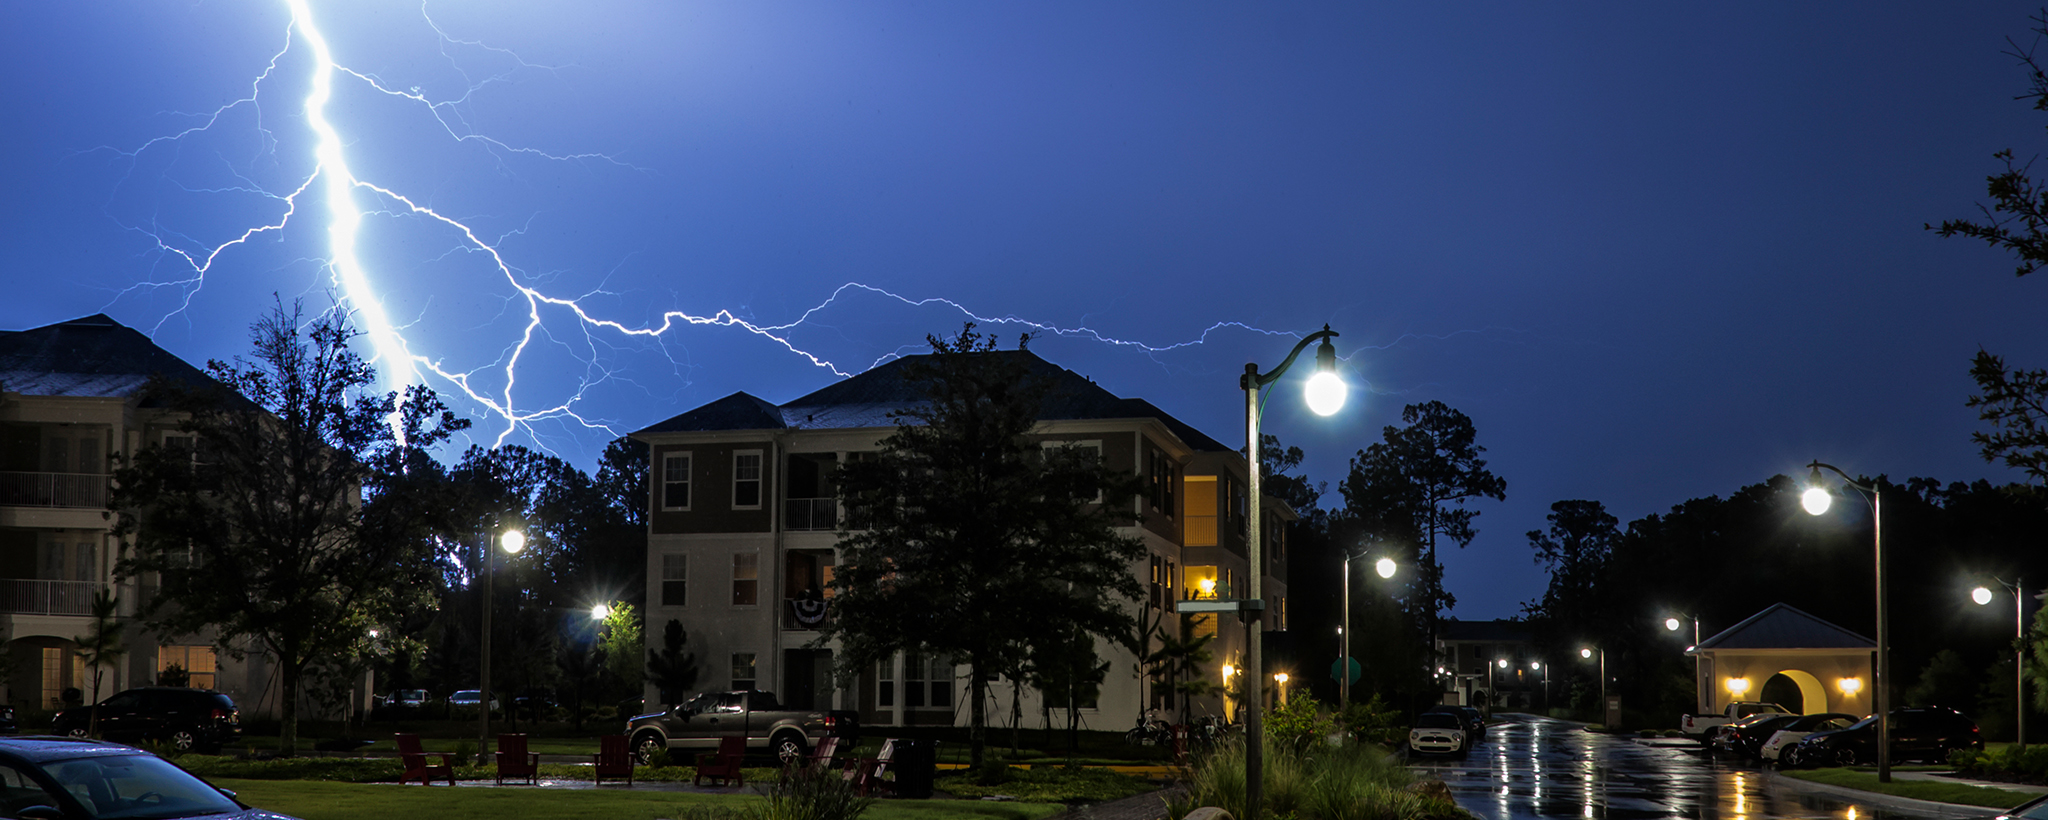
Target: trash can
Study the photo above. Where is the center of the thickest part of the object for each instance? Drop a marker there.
(915, 762)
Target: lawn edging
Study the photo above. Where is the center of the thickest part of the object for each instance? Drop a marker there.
(1864, 781)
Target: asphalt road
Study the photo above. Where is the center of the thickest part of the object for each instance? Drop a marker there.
(1537, 767)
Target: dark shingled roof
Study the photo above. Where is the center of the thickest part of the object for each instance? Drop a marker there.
(1490, 631)
(94, 357)
(1783, 626)
(868, 399)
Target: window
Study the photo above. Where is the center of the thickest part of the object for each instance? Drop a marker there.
(53, 560)
(675, 579)
(82, 569)
(746, 480)
(1200, 529)
(199, 663)
(53, 677)
(913, 680)
(940, 676)
(746, 578)
(675, 481)
(1162, 475)
(743, 670)
(927, 682)
(885, 682)
(57, 455)
(89, 456)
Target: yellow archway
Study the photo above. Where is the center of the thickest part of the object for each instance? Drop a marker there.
(1812, 695)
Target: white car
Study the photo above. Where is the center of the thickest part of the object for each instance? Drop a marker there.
(1437, 733)
(469, 698)
(1791, 733)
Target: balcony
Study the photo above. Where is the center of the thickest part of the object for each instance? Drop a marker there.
(801, 615)
(22, 596)
(810, 514)
(76, 490)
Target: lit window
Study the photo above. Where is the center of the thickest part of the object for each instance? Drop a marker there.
(742, 670)
(746, 480)
(746, 578)
(675, 481)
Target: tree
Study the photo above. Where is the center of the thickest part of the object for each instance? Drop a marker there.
(2014, 401)
(673, 670)
(273, 524)
(981, 542)
(1575, 551)
(1411, 488)
(100, 647)
(622, 639)
(1177, 663)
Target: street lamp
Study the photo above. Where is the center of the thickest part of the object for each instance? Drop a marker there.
(1280, 682)
(1385, 567)
(1587, 653)
(1816, 499)
(1325, 394)
(1982, 596)
(600, 612)
(511, 541)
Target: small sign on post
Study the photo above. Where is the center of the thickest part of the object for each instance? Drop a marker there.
(1346, 670)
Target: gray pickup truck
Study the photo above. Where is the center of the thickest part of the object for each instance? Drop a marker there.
(699, 725)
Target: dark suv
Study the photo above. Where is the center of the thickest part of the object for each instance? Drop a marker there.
(1923, 733)
(188, 719)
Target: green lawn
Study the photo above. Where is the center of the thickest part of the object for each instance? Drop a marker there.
(1866, 780)
(349, 801)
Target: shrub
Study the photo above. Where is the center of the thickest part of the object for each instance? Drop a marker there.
(810, 794)
(1298, 724)
(661, 759)
(1357, 782)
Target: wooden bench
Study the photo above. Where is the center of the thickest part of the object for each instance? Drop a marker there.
(414, 760)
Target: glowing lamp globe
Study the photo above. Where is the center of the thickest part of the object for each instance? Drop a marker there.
(1385, 567)
(1585, 653)
(1535, 665)
(1502, 663)
(1816, 500)
(1981, 595)
(1671, 624)
(512, 541)
(600, 612)
(1326, 393)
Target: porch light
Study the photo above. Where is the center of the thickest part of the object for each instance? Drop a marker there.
(1849, 686)
(1737, 686)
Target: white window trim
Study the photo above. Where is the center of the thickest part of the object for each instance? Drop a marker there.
(733, 571)
(761, 480)
(689, 478)
(662, 589)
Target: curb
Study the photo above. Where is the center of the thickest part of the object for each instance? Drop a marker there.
(1936, 808)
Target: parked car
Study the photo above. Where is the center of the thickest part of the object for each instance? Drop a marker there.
(469, 698)
(1701, 727)
(7, 724)
(535, 702)
(1790, 734)
(1925, 733)
(49, 777)
(187, 719)
(1744, 737)
(2035, 809)
(1475, 723)
(1438, 733)
(706, 719)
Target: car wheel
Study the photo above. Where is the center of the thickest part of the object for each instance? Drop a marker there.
(788, 747)
(78, 732)
(1845, 757)
(1788, 757)
(645, 745)
(183, 740)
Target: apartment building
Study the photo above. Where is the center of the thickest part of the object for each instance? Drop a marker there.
(744, 521)
(70, 403)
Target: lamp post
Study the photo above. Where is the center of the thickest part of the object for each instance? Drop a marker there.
(1816, 500)
(1587, 652)
(1325, 395)
(511, 541)
(2019, 620)
(1280, 683)
(1385, 567)
(1672, 624)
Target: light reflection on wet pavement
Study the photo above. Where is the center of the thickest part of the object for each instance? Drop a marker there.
(1536, 767)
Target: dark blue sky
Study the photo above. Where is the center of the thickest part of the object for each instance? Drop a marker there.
(1655, 252)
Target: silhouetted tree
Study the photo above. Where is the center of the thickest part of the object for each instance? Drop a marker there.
(672, 669)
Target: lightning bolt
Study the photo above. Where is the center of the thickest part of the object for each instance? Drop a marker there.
(338, 192)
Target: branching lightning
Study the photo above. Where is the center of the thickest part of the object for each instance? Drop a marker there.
(335, 193)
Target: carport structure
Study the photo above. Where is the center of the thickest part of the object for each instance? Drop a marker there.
(1830, 667)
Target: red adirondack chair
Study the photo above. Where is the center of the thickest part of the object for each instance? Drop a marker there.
(614, 759)
(515, 762)
(725, 765)
(414, 759)
(866, 772)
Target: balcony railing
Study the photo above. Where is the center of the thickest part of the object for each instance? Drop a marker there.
(53, 490)
(811, 514)
(22, 596)
(800, 615)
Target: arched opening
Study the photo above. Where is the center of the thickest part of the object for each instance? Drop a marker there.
(1796, 690)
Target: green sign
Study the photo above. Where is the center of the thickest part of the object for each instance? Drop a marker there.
(1345, 671)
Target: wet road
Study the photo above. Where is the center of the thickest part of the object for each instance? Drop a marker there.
(1535, 767)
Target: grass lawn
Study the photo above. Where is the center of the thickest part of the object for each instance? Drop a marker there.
(349, 801)
(1866, 780)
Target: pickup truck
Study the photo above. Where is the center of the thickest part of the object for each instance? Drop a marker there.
(1701, 727)
(701, 723)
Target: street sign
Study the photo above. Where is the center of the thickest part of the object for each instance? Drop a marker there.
(1337, 669)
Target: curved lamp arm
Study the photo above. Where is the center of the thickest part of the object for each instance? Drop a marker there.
(1247, 381)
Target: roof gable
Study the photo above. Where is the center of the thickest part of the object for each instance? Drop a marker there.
(739, 411)
(92, 356)
(1783, 626)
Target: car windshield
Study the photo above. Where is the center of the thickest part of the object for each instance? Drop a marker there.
(1438, 720)
(2037, 810)
(137, 787)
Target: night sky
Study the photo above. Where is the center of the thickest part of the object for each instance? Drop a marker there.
(1655, 251)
